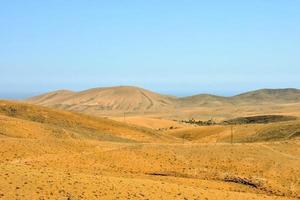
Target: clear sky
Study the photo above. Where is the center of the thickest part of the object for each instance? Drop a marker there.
(179, 47)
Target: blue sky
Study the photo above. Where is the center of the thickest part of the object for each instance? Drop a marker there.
(179, 47)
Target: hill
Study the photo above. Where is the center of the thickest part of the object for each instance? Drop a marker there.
(203, 100)
(262, 96)
(241, 133)
(110, 99)
(53, 154)
(52, 98)
(137, 102)
(289, 95)
(25, 120)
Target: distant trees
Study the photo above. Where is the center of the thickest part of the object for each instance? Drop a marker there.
(199, 122)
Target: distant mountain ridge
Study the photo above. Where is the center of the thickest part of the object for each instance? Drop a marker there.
(139, 100)
(288, 95)
(275, 95)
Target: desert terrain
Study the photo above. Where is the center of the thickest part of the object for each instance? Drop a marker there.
(131, 143)
(139, 102)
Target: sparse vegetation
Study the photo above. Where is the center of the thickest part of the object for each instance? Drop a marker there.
(199, 122)
(53, 154)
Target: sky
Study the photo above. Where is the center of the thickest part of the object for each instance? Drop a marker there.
(177, 47)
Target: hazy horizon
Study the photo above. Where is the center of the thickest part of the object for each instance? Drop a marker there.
(170, 47)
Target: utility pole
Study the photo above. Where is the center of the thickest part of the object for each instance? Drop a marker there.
(231, 133)
(124, 117)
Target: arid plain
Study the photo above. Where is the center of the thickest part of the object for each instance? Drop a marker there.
(131, 143)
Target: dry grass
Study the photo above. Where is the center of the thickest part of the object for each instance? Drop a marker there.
(53, 154)
(78, 125)
(279, 131)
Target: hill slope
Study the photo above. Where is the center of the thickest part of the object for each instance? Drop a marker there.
(52, 154)
(133, 101)
(25, 120)
(288, 95)
(279, 131)
(203, 100)
(121, 99)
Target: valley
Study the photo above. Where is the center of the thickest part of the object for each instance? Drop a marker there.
(55, 153)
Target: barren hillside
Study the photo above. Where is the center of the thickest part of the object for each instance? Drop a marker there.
(107, 100)
(52, 154)
(263, 96)
(38, 121)
(115, 101)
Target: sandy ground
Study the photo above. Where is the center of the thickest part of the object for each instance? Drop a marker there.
(153, 123)
(52, 154)
(84, 169)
